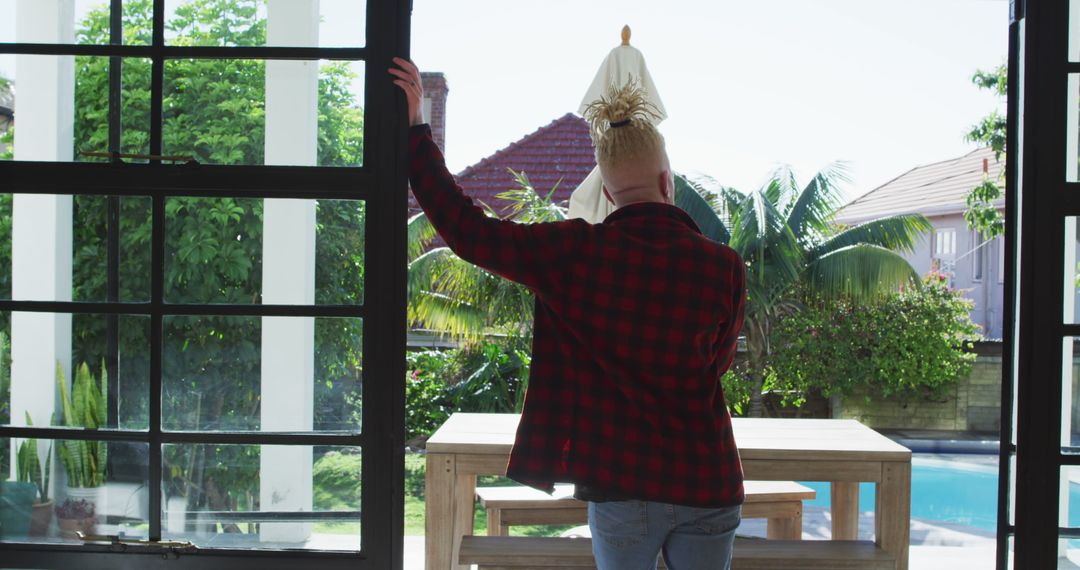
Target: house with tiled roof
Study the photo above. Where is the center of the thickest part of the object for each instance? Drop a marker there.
(939, 191)
(559, 153)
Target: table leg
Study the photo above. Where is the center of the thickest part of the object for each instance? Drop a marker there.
(845, 510)
(439, 495)
(784, 528)
(892, 512)
(464, 500)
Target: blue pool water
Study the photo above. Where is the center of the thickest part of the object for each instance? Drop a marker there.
(950, 491)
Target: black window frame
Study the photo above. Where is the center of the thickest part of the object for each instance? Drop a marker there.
(381, 182)
(1038, 200)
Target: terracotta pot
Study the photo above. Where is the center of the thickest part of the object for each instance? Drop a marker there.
(41, 518)
(69, 527)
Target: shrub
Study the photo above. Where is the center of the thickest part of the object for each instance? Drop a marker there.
(913, 344)
(427, 404)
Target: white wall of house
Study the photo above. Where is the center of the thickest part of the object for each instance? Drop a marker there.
(960, 261)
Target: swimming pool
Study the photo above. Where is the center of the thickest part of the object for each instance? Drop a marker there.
(950, 491)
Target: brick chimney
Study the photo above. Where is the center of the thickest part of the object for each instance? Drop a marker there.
(435, 92)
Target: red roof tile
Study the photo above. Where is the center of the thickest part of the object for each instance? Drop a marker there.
(561, 150)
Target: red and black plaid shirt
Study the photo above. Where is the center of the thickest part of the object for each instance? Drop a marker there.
(636, 320)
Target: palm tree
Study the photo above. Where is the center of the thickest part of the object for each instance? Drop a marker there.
(787, 235)
(454, 297)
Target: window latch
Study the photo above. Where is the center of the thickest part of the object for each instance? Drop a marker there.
(122, 544)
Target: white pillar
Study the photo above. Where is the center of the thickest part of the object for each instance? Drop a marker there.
(288, 344)
(41, 225)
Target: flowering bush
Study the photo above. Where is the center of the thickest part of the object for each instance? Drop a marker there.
(913, 344)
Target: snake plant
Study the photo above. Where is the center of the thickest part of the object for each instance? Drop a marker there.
(29, 468)
(84, 407)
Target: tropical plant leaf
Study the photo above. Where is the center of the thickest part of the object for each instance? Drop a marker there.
(421, 234)
(764, 240)
(450, 316)
(65, 400)
(102, 397)
(901, 232)
(861, 272)
(689, 198)
(813, 209)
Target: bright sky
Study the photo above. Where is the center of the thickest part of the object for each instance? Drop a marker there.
(882, 84)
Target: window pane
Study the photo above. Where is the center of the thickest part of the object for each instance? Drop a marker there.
(1072, 127)
(255, 112)
(38, 85)
(253, 23)
(1074, 31)
(56, 248)
(978, 254)
(41, 21)
(252, 251)
(1070, 419)
(30, 352)
(273, 374)
(107, 495)
(1071, 307)
(262, 497)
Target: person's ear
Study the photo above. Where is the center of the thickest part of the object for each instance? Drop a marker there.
(667, 186)
(607, 194)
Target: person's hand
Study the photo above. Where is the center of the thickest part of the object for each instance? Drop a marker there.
(408, 79)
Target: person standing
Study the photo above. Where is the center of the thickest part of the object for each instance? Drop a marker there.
(636, 320)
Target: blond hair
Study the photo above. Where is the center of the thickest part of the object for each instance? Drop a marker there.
(621, 125)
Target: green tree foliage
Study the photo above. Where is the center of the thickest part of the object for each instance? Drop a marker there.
(483, 376)
(982, 214)
(457, 298)
(215, 111)
(785, 232)
(913, 344)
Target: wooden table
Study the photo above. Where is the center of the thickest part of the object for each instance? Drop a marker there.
(843, 452)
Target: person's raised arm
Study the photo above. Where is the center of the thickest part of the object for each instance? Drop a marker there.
(530, 254)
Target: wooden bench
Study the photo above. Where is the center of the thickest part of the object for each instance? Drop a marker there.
(543, 553)
(778, 501)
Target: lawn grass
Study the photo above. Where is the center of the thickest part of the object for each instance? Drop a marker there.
(414, 503)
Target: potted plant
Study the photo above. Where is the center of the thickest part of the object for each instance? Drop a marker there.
(84, 461)
(75, 515)
(16, 506)
(31, 470)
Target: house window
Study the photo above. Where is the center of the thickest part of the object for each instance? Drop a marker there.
(945, 244)
(1001, 260)
(978, 255)
(216, 271)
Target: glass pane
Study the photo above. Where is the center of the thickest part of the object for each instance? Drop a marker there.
(1070, 417)
(254, 112)
(262, 497)
(43, 258)
(107, 495)
(1074, 31)
(253, 23)
(1068, 554)
(252, 251)
(36, 21)
(1072, 128)
(1071, 306)
(33, 363)
(38, 85)
(271, 374)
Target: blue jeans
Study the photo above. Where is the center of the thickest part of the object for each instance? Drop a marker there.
(628, 535)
